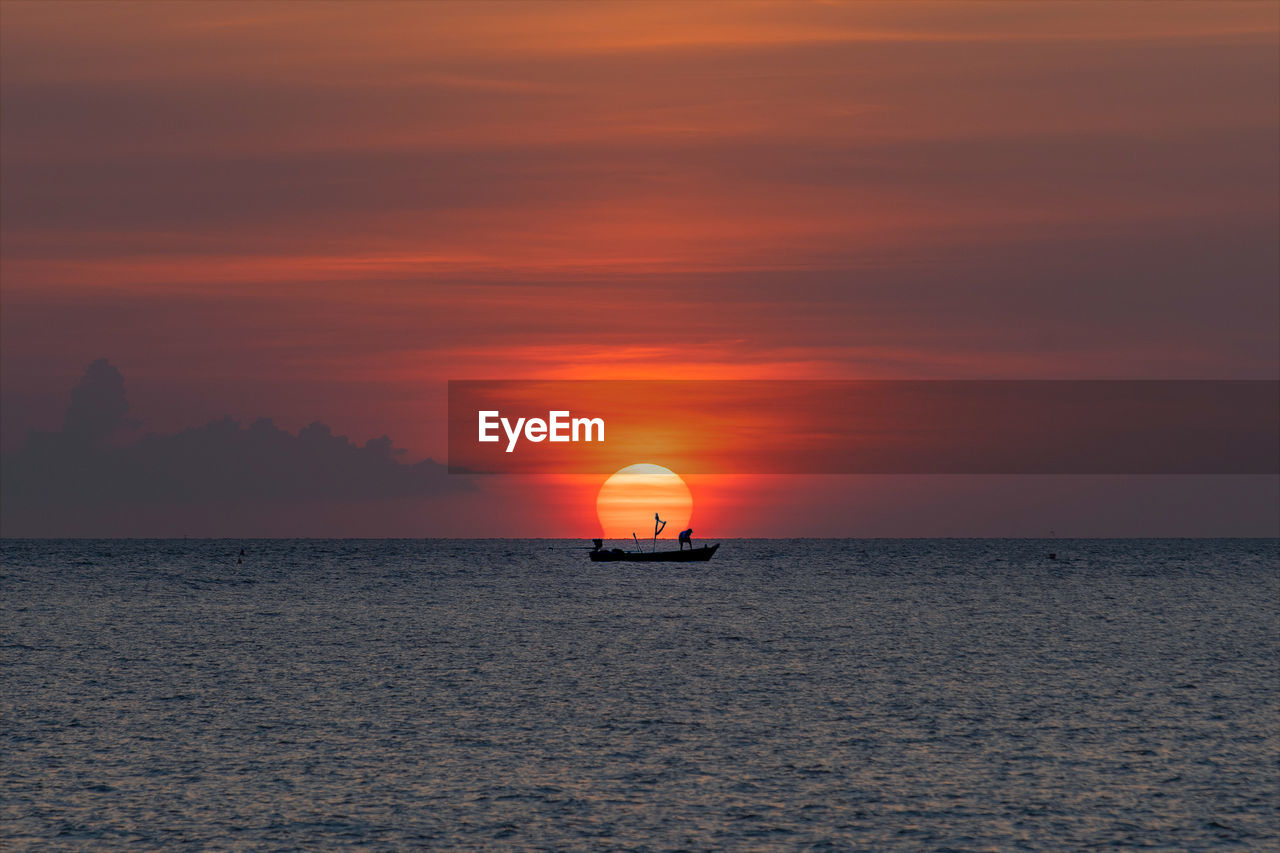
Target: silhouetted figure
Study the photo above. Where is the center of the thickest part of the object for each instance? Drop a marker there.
(599, 543)
(686, 536)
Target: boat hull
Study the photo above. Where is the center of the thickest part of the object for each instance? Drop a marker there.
(690, 555)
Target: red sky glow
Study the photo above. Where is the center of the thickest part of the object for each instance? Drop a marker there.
(324, 211)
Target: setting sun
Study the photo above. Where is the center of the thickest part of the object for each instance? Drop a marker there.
(629, 498)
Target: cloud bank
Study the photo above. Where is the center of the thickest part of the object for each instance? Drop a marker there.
(65, 479)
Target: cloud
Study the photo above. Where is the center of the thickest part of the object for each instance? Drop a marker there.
(98, 405)
(90, 467)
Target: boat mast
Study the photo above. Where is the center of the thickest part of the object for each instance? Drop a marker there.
(658, 524)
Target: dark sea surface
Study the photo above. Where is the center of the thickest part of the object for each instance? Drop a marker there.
(804, 695)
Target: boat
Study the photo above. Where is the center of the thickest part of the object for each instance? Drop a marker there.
(686, 555)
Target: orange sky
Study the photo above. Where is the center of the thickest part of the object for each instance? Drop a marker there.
(326, 210)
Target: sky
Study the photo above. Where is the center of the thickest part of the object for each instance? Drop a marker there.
(319, 213)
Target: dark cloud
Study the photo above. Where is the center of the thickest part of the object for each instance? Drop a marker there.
(81, 471)
(98, 407)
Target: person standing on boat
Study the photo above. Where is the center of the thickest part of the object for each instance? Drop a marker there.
(686, 536)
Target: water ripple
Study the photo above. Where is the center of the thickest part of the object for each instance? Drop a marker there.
(955, 695)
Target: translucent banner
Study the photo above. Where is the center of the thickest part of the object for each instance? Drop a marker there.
(866, 427)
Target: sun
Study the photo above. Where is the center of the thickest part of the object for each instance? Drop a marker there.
(629, 498)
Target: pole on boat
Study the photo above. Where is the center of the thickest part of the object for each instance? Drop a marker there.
(633, 536)
(658, 524)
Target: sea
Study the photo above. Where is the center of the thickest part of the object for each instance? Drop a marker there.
(869, 695)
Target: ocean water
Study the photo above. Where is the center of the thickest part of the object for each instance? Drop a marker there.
(790, 695)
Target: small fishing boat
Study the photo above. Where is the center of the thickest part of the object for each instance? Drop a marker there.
(617, 555)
